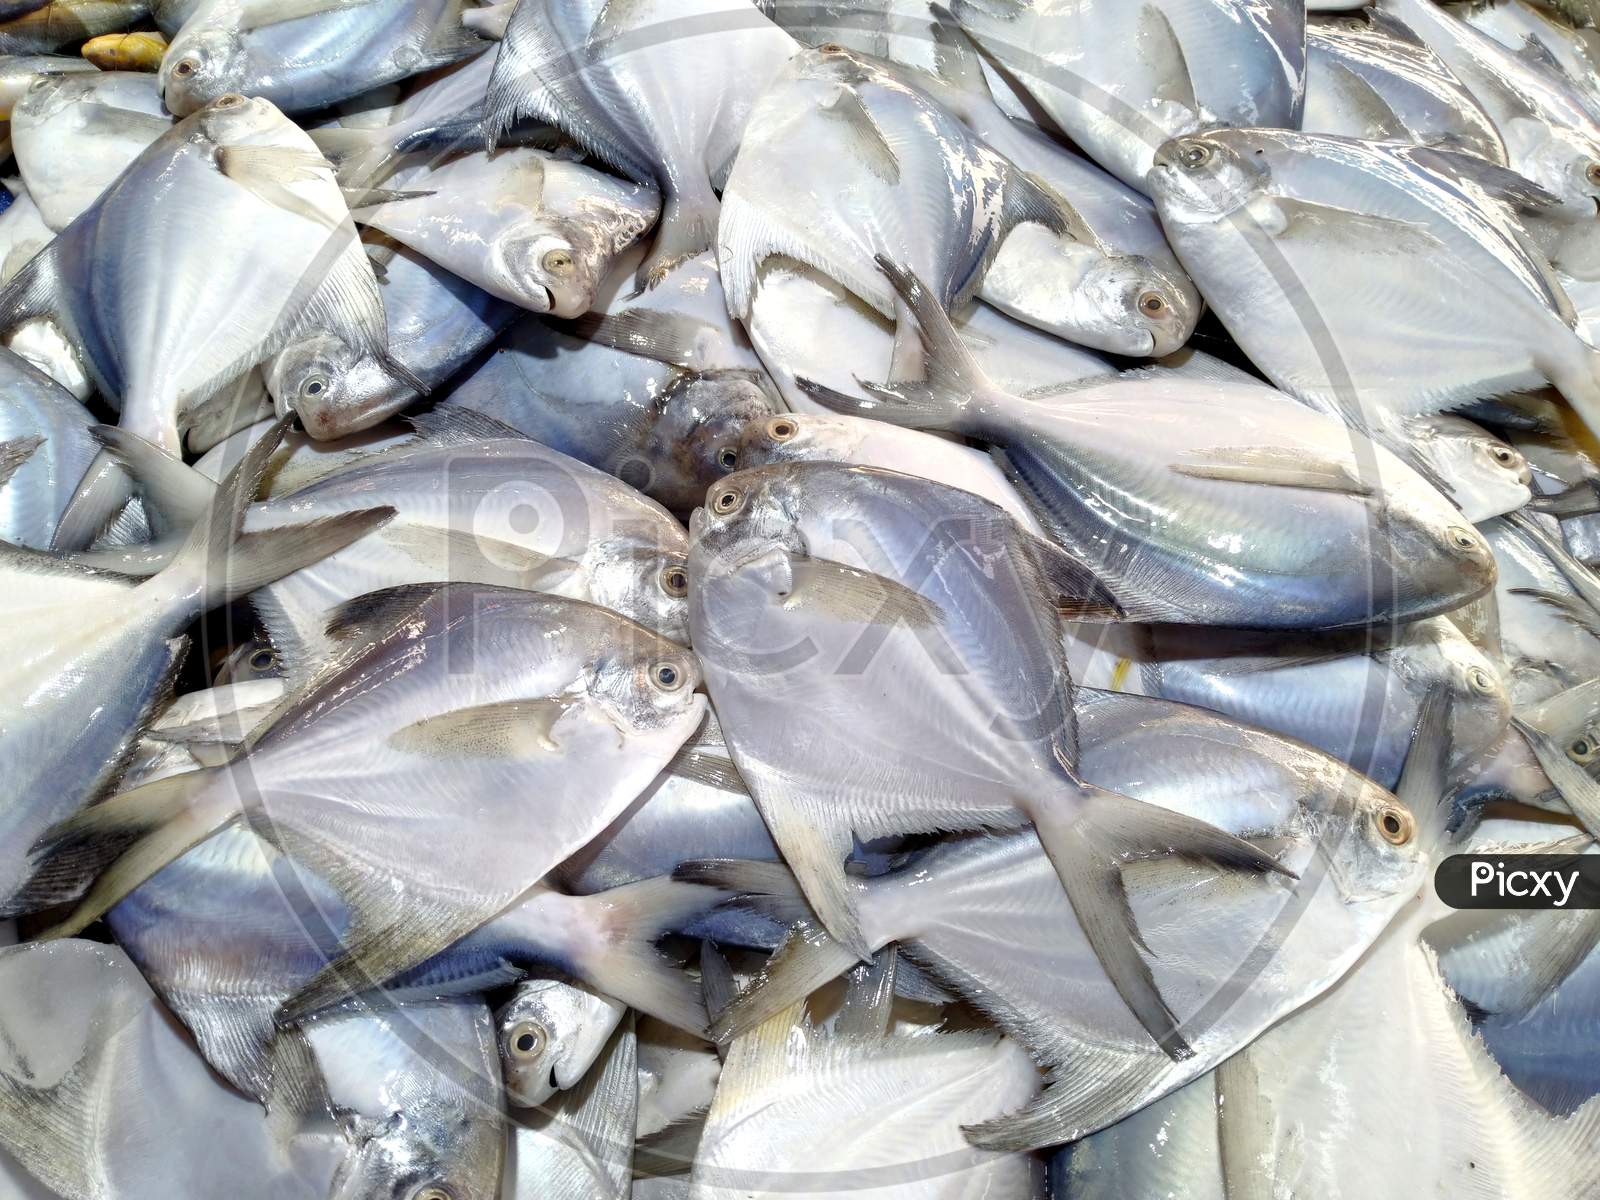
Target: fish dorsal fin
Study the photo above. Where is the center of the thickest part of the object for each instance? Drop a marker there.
(667, 337)
(370, 616)
(1164, 54)
(14, 453)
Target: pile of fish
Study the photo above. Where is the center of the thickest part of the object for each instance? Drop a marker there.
(754, 598)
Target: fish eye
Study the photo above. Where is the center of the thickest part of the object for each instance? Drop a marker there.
(557, 262)
(231, 100)
(1152, 304)
(186, 67)
(1592, 173)
(728, 458)
(1462, 538)
(314, 386)
(1504, 455)
(527, 1040)
(1195, 155)
(727, 501)
(433, 1191)
(1582, 750)
(1395, 824)
(263, 660)
(667, 676)
(781, 429)
(1481, 681)
(831, 48)
(675, 581)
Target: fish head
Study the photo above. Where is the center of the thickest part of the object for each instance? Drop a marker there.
(1487, 476)
(1133, 306)
(198, 68)
(332, 388)
(550, 1034)
(647, 584)
(743, 519)
(646, 682)
(1571, 721)
(1385, 856)
(1435, 653)
(794, 437)
(437, 1151)
(235, 120)
(1565, 162)
(250, 660)
(1438, 560)
(46, 97)
(554, 263)
(1203, 176)
(698, 432)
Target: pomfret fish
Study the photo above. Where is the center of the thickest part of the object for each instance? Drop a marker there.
(651, 388)
(629, 84)
(18, 73)
(307, 54)
(904, 611)
(1212, 530)
(436, 322)
(1377, 240)
(585, 710)
(90, 653)
(550, 1033)
(1269, 945)
(90, 1054)
(256, 229)
(533, 228)
(74, 134)
(50, 28)
(1120, 79)
(1380, 81)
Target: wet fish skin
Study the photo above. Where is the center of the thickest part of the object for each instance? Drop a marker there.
(1377, 237)
(233, 179)
(1369, 82)
(243, 46)
(73, 135)
(32, 502)
(51, 27)
(18, 73)
(1120, 79)
(654, 113)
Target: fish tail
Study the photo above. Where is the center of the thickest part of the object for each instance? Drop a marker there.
(220, 563)
(688, 227)
(174, 494)
(123, 841)
(1577, 377)
(807, 959)
(625, 964)
(1089, 836)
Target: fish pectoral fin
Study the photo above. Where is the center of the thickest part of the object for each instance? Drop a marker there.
(267, 171)
(1280, 466)
(862, 136)
(856, 596)
(34, 291)
(264, 16)
(1286, 218)
(505, 729)
(1380, 119)
(698, 765)
(359, 197)
(470, 557)
(368, 617)
(14, 453)
(1245, 1126)
(667, 337)
(1501, 183)
(1089, 848)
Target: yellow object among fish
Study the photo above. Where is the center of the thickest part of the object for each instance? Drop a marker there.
(126, 51)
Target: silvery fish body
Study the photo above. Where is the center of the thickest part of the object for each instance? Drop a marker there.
(1549, 635)
(908, 180)
(488, 510)
(74, 134)
(1372, 83)
(1354, 697)
(18, 73)
(805, 325)
(40, 412)
(530, 227)
(417, 1090)
(308, 55)
(436, 323)
(1120, 79)
(962, 909)
(1378, 240)
(651, 391)
(623, 83)
(799, 1109)
(91, 1054)
(1551, 128)
(50, 28)
(255, 228)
